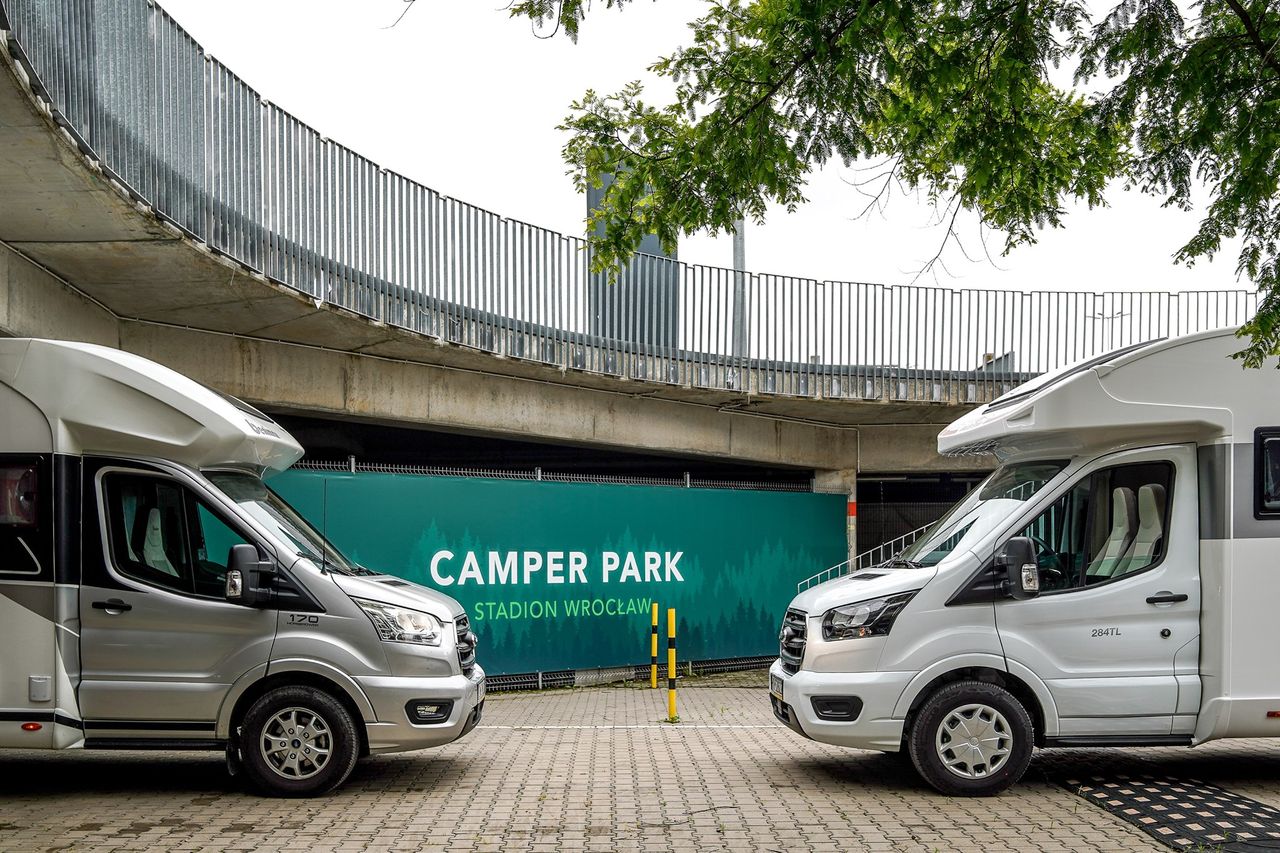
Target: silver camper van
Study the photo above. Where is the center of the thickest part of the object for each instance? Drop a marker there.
(155, 593)
(1112, 583)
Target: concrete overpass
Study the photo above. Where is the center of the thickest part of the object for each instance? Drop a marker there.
(150, 200)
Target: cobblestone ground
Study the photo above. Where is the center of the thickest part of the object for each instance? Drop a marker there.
(595, 769)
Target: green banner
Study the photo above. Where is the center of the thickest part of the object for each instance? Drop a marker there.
(562, 575)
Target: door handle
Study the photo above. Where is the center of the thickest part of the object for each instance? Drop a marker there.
(112, 605)
(1166, 598)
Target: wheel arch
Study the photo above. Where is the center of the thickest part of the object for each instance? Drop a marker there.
(989, 669)
(253, 688)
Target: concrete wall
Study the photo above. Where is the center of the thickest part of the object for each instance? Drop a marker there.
(34, 302)
(328, 381)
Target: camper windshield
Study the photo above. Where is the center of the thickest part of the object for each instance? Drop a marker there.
(272, 512)
(999, 496)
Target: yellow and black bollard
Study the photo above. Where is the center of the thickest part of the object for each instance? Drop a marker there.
(653, 650)
(671, 665)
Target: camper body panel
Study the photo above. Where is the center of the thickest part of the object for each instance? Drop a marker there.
(142, 645)
(1249, 689)
(37, 614)
(1105, 653)
(26, 665)
(166, 660)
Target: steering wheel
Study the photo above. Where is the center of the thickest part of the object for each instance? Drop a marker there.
(1043, 547)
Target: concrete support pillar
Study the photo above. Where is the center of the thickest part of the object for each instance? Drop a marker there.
(843, 482)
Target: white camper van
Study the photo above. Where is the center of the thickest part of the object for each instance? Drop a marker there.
(156, 594)
(1115, 581)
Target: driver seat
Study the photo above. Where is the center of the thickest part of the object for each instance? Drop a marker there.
(1124, 526)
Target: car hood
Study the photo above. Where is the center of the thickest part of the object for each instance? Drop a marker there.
(402, 593)
(861, 586)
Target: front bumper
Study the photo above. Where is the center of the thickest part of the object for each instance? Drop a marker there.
(875, 726)
(393, 731)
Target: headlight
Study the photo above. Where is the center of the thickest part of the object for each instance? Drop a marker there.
(871, 618)
(401, 625)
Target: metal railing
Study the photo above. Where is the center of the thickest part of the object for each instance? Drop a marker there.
(186, 136)
(351, 466)
(865, 560)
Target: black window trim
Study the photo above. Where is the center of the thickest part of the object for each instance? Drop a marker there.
(188, 510)
(1260, 436)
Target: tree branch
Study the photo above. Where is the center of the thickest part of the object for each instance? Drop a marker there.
(803, 60)
(1255, 36)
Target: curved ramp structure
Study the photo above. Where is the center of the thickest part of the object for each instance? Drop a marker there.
(149, 176)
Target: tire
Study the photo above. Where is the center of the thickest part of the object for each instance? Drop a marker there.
(298, 742)
(984, 763)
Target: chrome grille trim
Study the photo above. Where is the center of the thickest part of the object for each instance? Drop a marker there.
(466, 644)
(791, 640)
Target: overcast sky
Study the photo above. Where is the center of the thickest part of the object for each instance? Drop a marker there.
(464, 99)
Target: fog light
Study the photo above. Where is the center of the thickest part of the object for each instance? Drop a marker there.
(837, 708)
(427, 711)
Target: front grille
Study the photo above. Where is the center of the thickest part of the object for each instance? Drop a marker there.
(466, 645)
(791, 641)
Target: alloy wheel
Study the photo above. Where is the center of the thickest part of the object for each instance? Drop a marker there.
(296, 743)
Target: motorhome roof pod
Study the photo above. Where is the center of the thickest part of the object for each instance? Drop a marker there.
(95, 399)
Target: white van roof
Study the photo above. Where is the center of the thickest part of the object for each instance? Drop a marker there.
(1172, 390)
(101, 400)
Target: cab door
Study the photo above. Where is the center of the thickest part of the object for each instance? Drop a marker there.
(1120, 596)
(160, 647)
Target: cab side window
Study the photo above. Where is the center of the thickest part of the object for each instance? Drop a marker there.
(161, 534)
(1266, 476)
(1111, 524)
(213, 539)
(24, 517)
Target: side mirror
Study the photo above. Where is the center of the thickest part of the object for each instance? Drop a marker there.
(1019, 562)
(249, 577)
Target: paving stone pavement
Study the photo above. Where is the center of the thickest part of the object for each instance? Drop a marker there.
(596, 769)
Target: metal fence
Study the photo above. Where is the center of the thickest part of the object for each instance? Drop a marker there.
(352, 466)
(186, 136)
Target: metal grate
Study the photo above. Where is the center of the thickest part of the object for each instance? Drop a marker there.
(723, 665)
(615, 674)
(529, 681)
(1185, 814)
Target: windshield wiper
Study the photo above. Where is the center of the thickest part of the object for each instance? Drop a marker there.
(900, 562)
